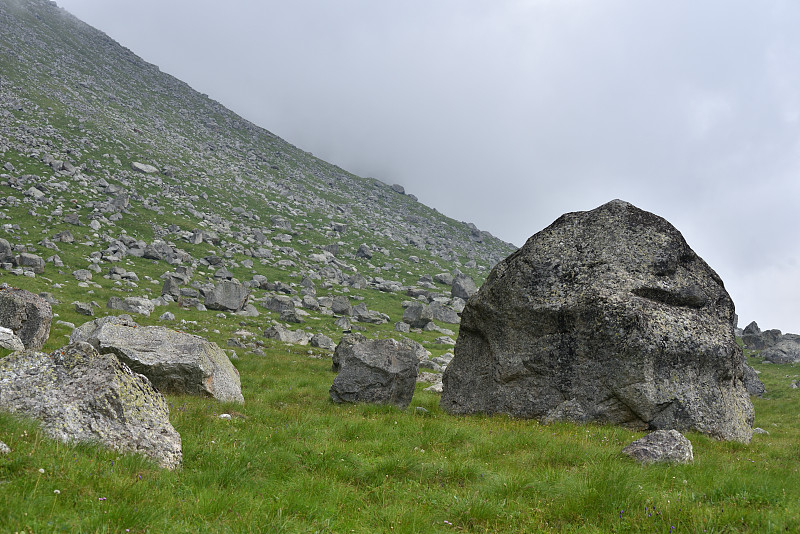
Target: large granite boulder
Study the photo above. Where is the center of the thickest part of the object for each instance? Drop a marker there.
(279, 332)
(80, 395)
(27, 315)
(607, 316)
(380, 371)
(174, 362)
(227, 295)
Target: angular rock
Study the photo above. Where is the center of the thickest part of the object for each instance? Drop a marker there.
(9, 341)
(27, 315)
(80, 395)
(347, 341)
(139, 305)
(787, 350)
(661, 446)
(144, 168)
(382, 371)
(281, 333)
(754, 339)
(31, 261)
(463, 287)
(174, 362)
(227, 295)
(341, 306)
(6, 251)
(606, 316)
(323, 342)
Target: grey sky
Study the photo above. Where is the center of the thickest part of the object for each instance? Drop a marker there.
(508, 113)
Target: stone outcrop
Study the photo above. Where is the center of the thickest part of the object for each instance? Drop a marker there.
(80, 395)
(27, 315)
(608, 316)
(382, 371)
(227, 295)
(661, 446)
(174, 362)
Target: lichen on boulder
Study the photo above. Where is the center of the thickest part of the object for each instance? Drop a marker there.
(80, 395)
(607, 316)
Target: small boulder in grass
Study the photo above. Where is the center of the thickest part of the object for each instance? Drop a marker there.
(661, 446)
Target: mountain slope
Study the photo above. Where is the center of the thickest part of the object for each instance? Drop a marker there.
(70, 92)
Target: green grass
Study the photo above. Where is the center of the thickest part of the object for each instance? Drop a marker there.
(291, 461)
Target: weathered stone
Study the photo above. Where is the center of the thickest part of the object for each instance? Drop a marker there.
(6, 251)
(80, 395)
(278, 303)
(341, 306)
(31, 261)
(787, 350)
(754, 339)
(345, 343)
(382, 371)
(609, 311)
(144, 168)
(668, 446)
(27, 315)
(463, 287)
(323, 342)
(139, 305)
(281, 333)
(174, 362)
(9, 341)
(227, 295)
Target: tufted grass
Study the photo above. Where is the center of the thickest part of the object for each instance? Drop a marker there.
(291, 461)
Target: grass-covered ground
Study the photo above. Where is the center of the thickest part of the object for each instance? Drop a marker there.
(289, 460)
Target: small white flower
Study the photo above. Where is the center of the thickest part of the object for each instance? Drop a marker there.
(41, 470)
(57, 492)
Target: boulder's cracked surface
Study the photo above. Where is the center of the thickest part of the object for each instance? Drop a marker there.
(608, 316)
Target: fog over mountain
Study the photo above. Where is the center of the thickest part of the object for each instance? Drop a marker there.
(509, 113)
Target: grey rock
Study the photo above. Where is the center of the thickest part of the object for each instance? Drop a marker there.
(31, 261)
(227, 295)
(27, 315)
(4, 449)
(279, 303)
(402, 327)
(382, 371)
(347, 341)
(661, 446)
(175, 362)
(9, 341)
(444, 278)
(787, 350)
(754, 339)
(364, 252)
(79, 395)
(6, 251)
(167, 316)
(281, 333)
(341, 306)
(463, 287)
(82, 275)
(138, 305)
(84, 308)
(323, 342)
(291, 316)
(610, 310)
(144, 168)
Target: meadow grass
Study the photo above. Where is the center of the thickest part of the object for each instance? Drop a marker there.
(289, 460)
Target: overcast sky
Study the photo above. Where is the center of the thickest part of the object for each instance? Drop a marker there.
(508, 113)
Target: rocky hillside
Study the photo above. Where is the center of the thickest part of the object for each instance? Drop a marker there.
(110, 167)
